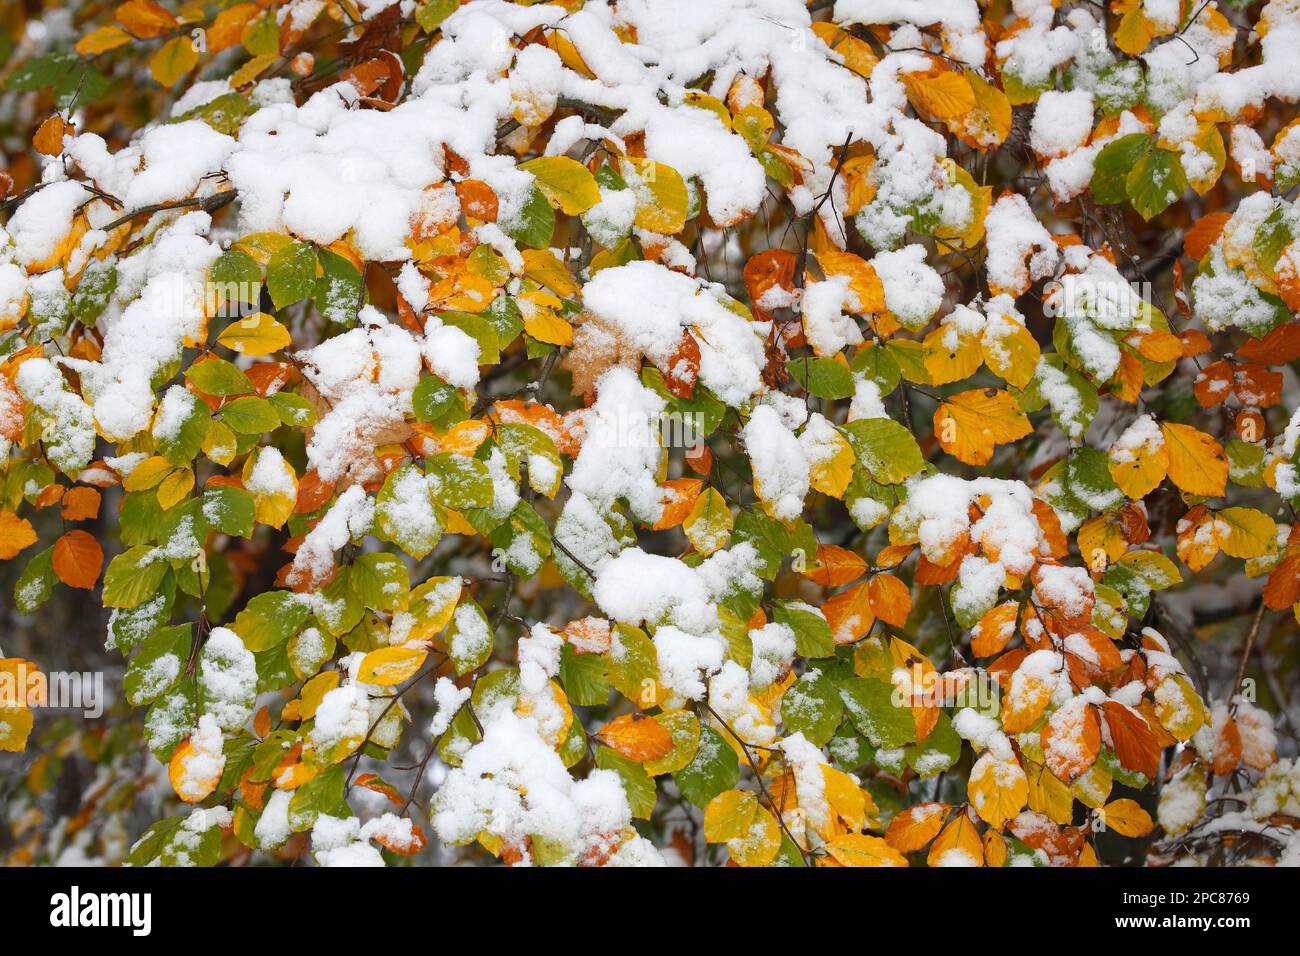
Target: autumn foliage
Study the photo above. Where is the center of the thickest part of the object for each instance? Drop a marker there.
(759, 432)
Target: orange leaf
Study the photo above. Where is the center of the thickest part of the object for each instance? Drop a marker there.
(49, 137)
(849, 614)
(959, 844)
(1072, 739)
(836, 566)
(1198, 239)
(1280, 346)
(145, 18)
(1135, 745)
(636, 737)
(916, 826)
(15, 534)
(81, 504)
(78, 559)
(994, 629)
(1280, 591)
(678, 498)
(891, 601)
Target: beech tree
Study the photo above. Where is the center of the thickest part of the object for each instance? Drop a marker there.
(628, 432)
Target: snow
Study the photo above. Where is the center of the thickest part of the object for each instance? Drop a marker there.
(779, 462)
(913, 289)
(649, 305)
(1062, 122)
(227, 679)
(1020, 249)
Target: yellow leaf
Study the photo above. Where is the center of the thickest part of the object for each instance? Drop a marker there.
(729, 815)
(1178, 707)
(864, 283)
(314, 691)
(970, 423)
(567, 183)
(545, 326)
(1135, 32)
(1139, 458)
(15, 727)
(432, 605)
(941, 93)
(858, 849)
(273, 484)
(251, 71)
(173, 60)
(1251, 533)
(148, 473)
(1010, 350)
(193, 773)
(1126, 818)
(257, 335)
(173, 489)
(708, 526)
(997, 788)
(848, 804)
(952, 352)
(988, 123)
(661, 201)
(833, 470)
(219, 444)
(1197, 464)
(102, 40)
(1049, 795)
(390, 665)
(958, 845)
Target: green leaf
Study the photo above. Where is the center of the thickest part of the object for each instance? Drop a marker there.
(1115, 161)
(338, 289)
(293, 409)
(459, 482)
(812, 634)
(234, 278)
(469, 637)
(532, 225)
(291, 273)
(885, 448)
(870, 706)
(406, 513)
(94, 290)
(637, 784)
(812, 707)
(216, 376)
(380, 582)
(583, 677)
(936, 753)
(433, 399)
(181, 444)
(133, 577)
(35, 585)
(323, 793)
(822, 377)
(270, 619)
(158, 663)
(1155, 182)
(229, 510)
(714, 768)
(250, 415)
